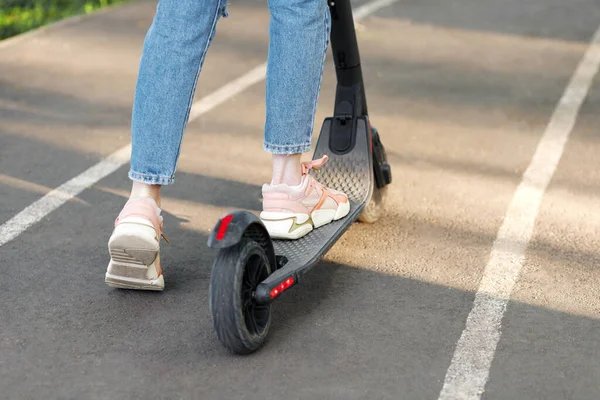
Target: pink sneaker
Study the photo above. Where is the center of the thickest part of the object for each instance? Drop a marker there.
(134, 247)
(290, 212)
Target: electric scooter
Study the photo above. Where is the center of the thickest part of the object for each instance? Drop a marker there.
(251, 270)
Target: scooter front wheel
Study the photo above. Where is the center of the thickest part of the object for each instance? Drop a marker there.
(375, 207)
(382, 177)
(240, 322)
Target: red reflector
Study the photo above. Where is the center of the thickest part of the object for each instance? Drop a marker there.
(223, 227)
(282, 286)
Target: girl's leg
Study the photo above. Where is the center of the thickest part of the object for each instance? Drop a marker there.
(294, 203)
(173, 54)
(299, 36)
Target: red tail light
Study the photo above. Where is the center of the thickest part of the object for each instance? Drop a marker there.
(223, 226)
(282, 286)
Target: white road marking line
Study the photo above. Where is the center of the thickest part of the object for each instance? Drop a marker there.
(65, 192)
(228, 91)
(370, 8)
(469, 370)
(30, 187)
(42, 207)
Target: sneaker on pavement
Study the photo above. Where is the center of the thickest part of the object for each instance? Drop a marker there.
(134, 247)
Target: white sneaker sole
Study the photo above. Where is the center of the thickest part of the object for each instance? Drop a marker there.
(294, 225)
(134, 254)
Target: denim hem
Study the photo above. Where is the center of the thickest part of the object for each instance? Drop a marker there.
(224, 9)
(291, 149)
(150, 179)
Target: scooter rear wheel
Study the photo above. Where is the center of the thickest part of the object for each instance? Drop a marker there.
(241, 324)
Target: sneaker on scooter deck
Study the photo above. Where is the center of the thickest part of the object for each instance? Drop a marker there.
(134, 247)
(290, 212)
(252, 270)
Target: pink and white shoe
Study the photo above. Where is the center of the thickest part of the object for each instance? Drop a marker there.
(134, 247)
(290, 212)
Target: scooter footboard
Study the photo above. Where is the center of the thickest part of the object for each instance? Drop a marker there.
(351, 173)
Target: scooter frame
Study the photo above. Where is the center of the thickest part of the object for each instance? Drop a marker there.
(355, 149)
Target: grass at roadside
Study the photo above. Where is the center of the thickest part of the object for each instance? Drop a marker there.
(18, 16)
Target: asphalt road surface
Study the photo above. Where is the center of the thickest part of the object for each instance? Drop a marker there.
(481, 281)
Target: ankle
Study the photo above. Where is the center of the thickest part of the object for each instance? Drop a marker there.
(287, 169)
(143, 190)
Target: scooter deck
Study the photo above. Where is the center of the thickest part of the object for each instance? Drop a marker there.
(351, 173)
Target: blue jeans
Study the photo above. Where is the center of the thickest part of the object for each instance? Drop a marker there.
(172, 57)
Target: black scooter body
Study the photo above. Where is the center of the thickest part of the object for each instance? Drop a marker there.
(351, 173)
(252, 270)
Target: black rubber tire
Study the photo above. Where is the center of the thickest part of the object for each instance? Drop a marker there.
(226, 303)
(375, 207)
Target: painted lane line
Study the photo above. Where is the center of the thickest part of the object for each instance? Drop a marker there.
(50, 202)
(57, 197)
(469, 370)
(228, 91)
(370, 8)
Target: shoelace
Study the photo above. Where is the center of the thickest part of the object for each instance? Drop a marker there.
(314, 164)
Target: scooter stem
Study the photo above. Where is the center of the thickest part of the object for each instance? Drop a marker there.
(350, 99)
